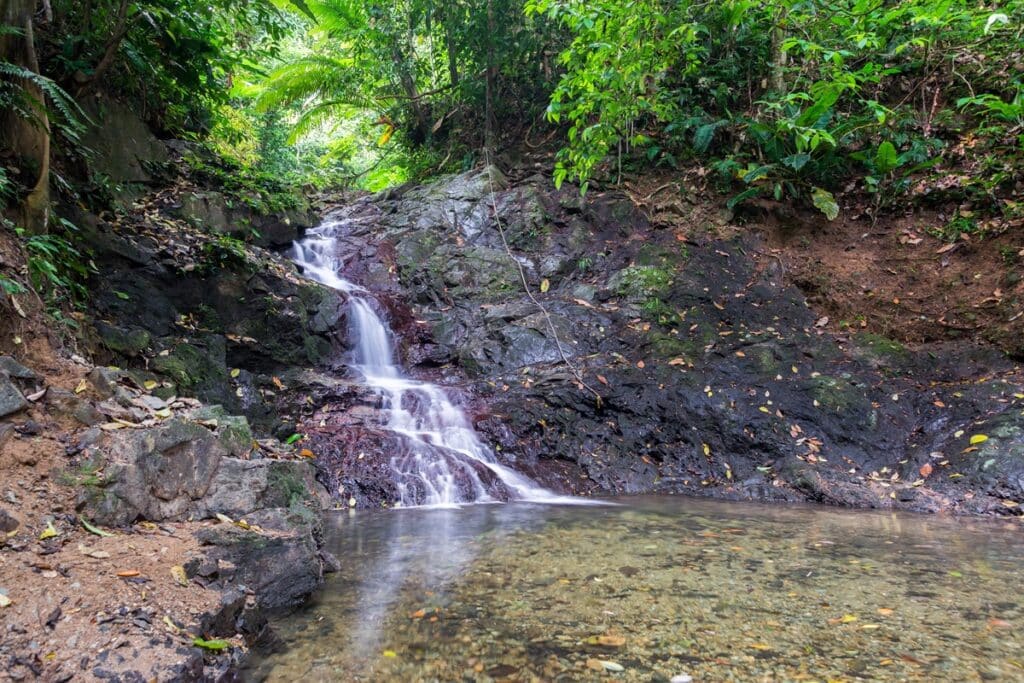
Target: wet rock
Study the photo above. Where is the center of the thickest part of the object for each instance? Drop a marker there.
(282, 570)
(11, 399)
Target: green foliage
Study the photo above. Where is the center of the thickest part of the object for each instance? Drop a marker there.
(251, 184)
(177, 57)
(57, 269)
(393, 79)
(783, 98)
(225, 252)
(57, 108)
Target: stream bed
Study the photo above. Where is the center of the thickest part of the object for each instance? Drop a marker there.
(656, 589)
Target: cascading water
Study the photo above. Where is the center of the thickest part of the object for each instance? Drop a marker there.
(442, 461)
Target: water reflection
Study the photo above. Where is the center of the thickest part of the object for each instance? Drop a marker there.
(659, 588)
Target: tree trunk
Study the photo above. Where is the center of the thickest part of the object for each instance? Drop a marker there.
(453, 56)
(489, 123)
(779, 56)
(421, 126)
(27, 141)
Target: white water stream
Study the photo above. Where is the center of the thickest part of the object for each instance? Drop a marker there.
(442, 458)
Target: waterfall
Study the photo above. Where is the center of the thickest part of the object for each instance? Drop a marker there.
(442, 462)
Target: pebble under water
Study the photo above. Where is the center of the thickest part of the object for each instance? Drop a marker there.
(659, 589)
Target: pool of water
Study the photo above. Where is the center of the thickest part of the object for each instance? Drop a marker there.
(655, 589)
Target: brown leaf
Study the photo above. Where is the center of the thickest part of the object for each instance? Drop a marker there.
(128, 573)
(602, 379)
(640, 364)
(925, 470)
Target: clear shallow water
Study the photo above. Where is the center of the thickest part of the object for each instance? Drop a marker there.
(658, 588)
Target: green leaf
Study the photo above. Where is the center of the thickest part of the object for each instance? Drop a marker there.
(796, 161)
(885, 158)
(825, 202)
(705, 135)
(93, 530)
(215, 645)
(292, 439)
(742, 197)
(757, 173)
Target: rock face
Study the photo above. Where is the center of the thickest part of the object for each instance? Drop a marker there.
(209, 318)
(124, 149)
(190, 468)
(213, 211)
(713, 375)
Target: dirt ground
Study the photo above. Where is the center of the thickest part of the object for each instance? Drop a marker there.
(894, 276)
(74, 603)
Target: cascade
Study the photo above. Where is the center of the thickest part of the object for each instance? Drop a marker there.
(442, 461)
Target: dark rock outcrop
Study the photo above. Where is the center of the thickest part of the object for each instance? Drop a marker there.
(211, 319)
(713, 374)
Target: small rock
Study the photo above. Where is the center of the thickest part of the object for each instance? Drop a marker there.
(7, 522)
(11, 400)
(681, 678)
(12, 368)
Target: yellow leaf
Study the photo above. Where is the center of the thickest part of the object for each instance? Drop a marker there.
(48, 532)
(82, 386)
(383, 140)
(235, 372)
(150, 385)
(163, 412)
(390, 653)
(847, 618)
(178, 572)
(978, 438)
(707, 449)
(764, 410)
(545, 285)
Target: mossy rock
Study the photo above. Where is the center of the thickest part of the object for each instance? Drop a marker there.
(190, 366)
(838, 394)
(881, 347)
(639, 283)
(127, 342)
(233, 431)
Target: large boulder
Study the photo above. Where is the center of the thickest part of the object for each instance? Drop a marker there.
(189, 468)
